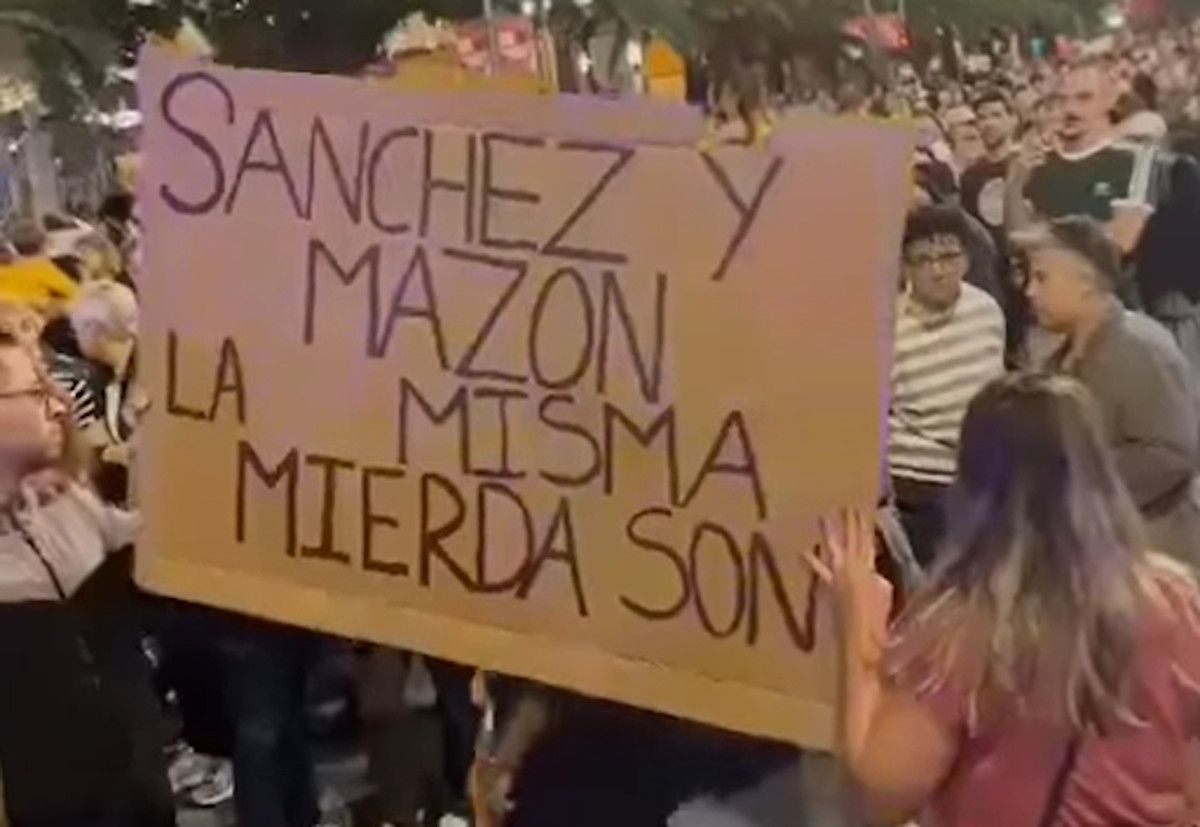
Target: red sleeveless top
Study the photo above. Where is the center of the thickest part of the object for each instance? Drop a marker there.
(1134, 775)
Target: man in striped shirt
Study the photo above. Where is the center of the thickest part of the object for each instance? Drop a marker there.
(949, 343)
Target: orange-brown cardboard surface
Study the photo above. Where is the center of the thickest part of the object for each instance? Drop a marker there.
(526, 383)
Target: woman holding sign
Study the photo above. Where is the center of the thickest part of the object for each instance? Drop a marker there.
(1049, 673)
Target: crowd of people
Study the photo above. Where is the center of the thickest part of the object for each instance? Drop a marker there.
(1084, 266)
(1040, 664)
(1043, 449)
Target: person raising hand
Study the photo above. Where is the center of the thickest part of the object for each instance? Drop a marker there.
(1049, 670)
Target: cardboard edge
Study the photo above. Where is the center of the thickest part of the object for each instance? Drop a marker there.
(577, 667)
(591, 116)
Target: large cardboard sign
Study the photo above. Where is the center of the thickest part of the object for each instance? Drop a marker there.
(527, 383)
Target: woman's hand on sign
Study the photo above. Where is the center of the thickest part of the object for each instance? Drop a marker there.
(845, 562)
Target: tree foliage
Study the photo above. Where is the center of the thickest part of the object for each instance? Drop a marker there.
(973, 18)
(64, 59)
(683, 21)
(326, 36)
(342, 36)
(332, 36)
(300, 35)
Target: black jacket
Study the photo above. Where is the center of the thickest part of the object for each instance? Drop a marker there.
(1167, 259)
(81, 734)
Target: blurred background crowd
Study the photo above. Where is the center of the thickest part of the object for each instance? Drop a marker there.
(1023, 109)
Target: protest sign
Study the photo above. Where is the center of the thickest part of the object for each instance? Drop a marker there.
(527, 383)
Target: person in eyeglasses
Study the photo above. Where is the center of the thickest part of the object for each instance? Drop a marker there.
(80, 726)
(949, 343)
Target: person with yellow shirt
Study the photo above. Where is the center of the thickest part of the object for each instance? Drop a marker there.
(32, 278)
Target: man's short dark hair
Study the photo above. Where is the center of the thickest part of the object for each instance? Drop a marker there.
(993, 95)
(929, 222)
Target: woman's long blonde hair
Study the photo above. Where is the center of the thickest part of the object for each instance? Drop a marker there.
(1037, 597)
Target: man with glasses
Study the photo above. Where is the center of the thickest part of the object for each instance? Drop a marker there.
(949, 343)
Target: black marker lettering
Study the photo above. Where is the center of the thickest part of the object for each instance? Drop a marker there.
(565, 554)
(663, 423)
(197, 140)
(368, 261)
(739, 583)
(351, 193)
(286, 471)
(587, 324)
(264, 124)
(433, 537)
(174, 406)
(491, 191)
(466, 187)
(632, 531)
(419, 265)
(494, 490)
(555, 246)
(229, 380)
(467, 369)
(324, 549)
(746, 465)
(762, 559)
(649, 375)
(577, 431)
(746, 212)
(371, 518)
(502, 396)
(457, 406)
(398, 227)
